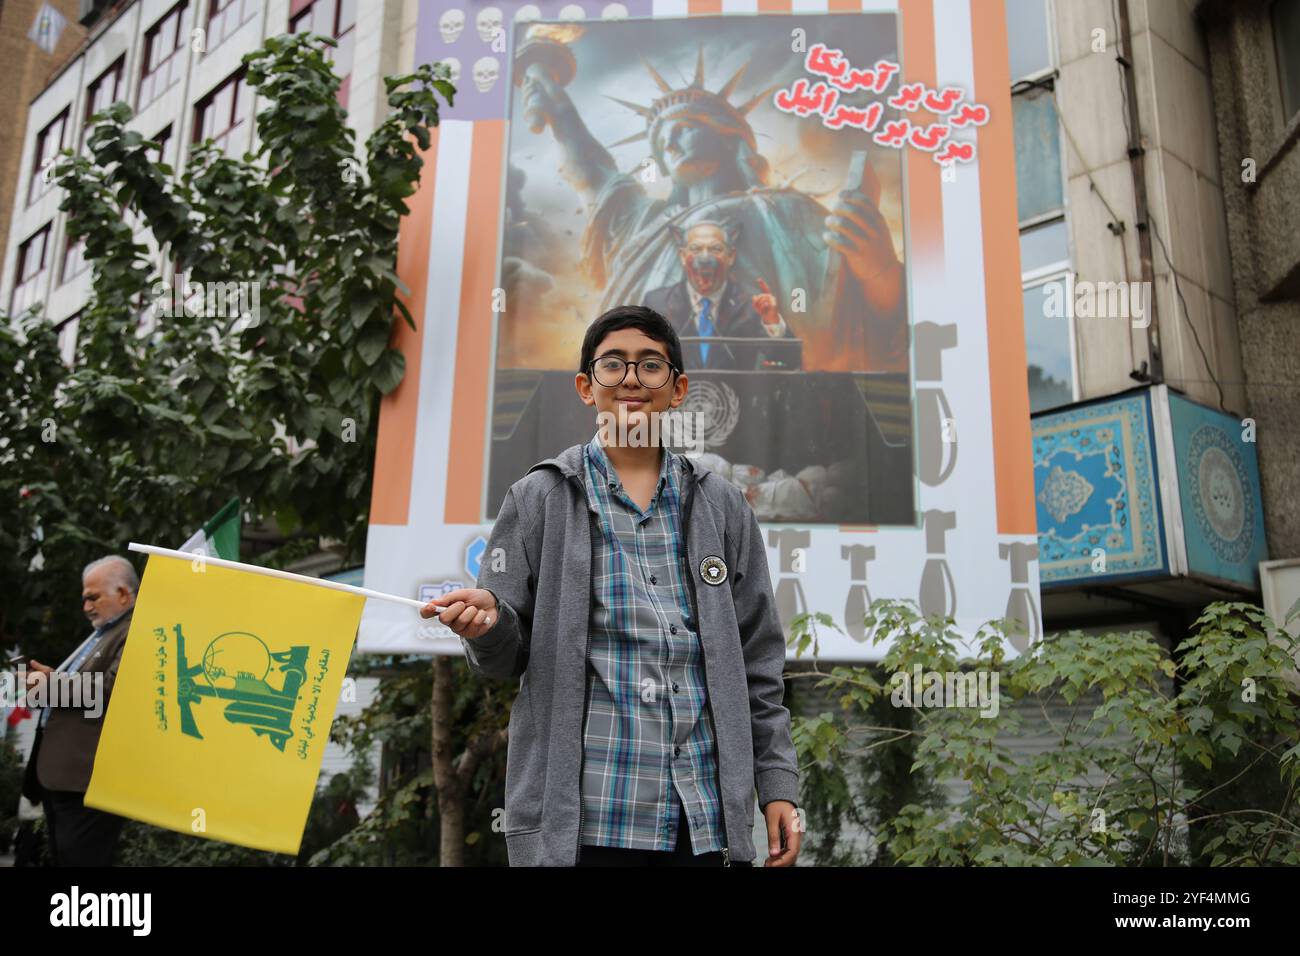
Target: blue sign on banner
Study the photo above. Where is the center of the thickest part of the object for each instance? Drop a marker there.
(474, 556)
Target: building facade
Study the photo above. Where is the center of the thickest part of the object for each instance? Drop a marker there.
(1254, 72)
(1155, 141)
(177, 64)
(35, 37)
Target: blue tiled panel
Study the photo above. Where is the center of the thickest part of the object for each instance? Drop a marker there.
(1218, 482)
(1095, 487)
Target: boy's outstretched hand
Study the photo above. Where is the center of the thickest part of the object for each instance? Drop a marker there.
(470, 612)
(784, 833)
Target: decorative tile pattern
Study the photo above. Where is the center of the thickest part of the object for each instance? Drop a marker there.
(1096, 493)
(1218, 477)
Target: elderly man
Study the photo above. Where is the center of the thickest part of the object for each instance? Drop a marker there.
(63, 755)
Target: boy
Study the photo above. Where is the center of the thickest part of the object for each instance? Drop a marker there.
(632, 599)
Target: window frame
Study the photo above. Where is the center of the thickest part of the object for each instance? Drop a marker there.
(118, 69)
(306, 11)
(163, 138)
(67, 331)
(37, 187)
(1053, 63)
(69, 247)
(209, 99)
(248, 8)
(1285, 66)
(181, 10)
(1053, 272)
(23, 283)
(1045, 79)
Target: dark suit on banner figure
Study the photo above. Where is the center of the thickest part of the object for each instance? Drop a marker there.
(710, 302)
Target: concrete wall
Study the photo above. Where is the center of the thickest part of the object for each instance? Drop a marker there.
(1264, 241)
(1182, 175)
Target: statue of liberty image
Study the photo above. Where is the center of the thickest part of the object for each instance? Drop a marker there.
(841, 261)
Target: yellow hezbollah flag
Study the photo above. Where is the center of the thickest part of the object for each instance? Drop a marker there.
(223, 703)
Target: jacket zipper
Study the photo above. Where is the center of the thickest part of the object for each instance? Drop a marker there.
(586, 695)
(708, 698)
(582, 756)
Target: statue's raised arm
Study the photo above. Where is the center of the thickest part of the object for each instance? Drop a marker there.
(546, 67)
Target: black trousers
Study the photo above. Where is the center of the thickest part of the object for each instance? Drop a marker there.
(681, 856)
(80, 835)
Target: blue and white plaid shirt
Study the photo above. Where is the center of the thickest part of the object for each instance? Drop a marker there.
(648, 742)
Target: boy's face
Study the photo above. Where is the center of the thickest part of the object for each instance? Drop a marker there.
(631, 404)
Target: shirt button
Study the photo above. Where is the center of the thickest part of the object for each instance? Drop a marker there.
(613, 485)
(653, 579)
(675, 687)
(672, 628)
(677, 751)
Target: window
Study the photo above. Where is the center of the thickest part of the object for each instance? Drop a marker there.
(102, 94)
(32, 256)
(1029, 40)
(1039, 187)
(165, 46)
(227, 16)
(67, 330)
(48, 142)
(74, 260)
(1286, 39)
(164, 141)
(222, 112)
(331, 18)
(1049, 332)
(1040, 199)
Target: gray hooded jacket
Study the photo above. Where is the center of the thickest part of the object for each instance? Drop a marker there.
(541, 578)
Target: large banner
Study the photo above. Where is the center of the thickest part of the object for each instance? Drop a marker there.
(820, 199)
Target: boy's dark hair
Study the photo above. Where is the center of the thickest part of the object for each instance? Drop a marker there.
(631, 317)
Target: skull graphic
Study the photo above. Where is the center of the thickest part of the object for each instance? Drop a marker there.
(572, 12)
(614, 11)
(453, 65)
(486, 71)
(488, 22)
(527, 13)
(450, 24)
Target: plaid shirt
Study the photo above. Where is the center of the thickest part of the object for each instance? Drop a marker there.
(648, 741)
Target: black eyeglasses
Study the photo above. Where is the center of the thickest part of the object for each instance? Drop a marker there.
(610, 370)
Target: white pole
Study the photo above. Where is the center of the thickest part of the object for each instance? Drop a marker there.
(273, 573)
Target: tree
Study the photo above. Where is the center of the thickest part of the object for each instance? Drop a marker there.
(156, 423)
(150, 430)
(1150, 747)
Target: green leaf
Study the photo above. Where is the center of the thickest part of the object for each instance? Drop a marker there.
(372, 343)
(388, 371)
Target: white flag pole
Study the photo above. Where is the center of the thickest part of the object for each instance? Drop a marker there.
(273, 573)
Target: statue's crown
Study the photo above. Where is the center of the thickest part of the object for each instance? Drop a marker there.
(694, 99)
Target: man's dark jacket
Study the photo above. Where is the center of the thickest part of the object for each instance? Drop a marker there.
(63, 754)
